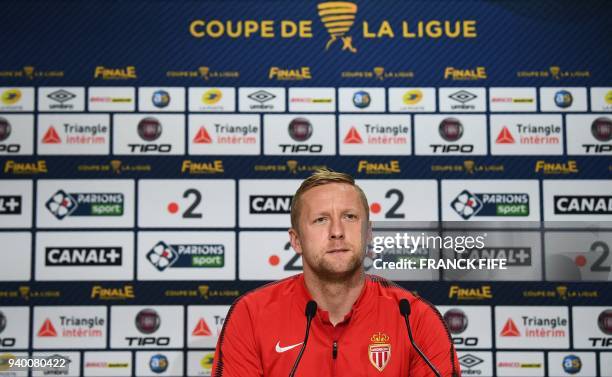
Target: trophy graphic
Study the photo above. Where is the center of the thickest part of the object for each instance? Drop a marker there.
(292, 165)
(338, 18)
(116, 165)
(204, 289)
(379, 72)
(562, 292)
(29, 72)
(24, 291)
(469, 166)
(204, 71)
(554, 71)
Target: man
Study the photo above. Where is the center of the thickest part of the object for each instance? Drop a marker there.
(357, 329)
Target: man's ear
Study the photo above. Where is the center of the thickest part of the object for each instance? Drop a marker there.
(295, 241)
(369, 233)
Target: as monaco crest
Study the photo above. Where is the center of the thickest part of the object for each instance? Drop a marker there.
(379, 351)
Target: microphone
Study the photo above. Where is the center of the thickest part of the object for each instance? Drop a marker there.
(311, 310)
(404, 307)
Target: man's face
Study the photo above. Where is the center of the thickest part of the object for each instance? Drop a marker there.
(332, 232)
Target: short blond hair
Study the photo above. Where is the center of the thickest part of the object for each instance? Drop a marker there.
(322, 177)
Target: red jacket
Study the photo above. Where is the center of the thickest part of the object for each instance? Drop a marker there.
(265, 328)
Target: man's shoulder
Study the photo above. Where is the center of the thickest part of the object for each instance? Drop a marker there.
(269, 293)
(389, 289)
(394, 293)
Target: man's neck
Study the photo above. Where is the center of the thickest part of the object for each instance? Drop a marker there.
(335, 297)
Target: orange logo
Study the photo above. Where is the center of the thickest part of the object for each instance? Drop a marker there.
(202, 137)
(510, 329)
(47, 329)
(353, 137)
(504, 137)
(201, 329)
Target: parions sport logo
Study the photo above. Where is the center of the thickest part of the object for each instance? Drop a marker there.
(163, 256)
(468, 205)
(63, 204)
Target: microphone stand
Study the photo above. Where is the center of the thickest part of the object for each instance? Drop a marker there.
(404, 307)
(311, 310)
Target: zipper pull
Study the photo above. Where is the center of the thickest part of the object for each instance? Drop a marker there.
(335, 350)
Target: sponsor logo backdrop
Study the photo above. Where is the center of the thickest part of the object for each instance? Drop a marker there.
(145, 187)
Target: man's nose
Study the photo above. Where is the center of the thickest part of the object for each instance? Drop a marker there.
(336, 231)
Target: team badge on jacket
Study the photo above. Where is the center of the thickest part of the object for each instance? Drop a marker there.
(379, 350)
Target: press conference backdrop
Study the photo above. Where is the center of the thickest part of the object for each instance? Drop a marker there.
(149, 151)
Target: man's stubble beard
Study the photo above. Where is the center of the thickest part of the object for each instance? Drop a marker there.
(326, 271)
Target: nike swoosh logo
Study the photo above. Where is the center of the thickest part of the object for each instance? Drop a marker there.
(280, 349)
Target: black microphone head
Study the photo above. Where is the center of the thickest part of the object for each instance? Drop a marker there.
(404, 307)
(311, 309)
